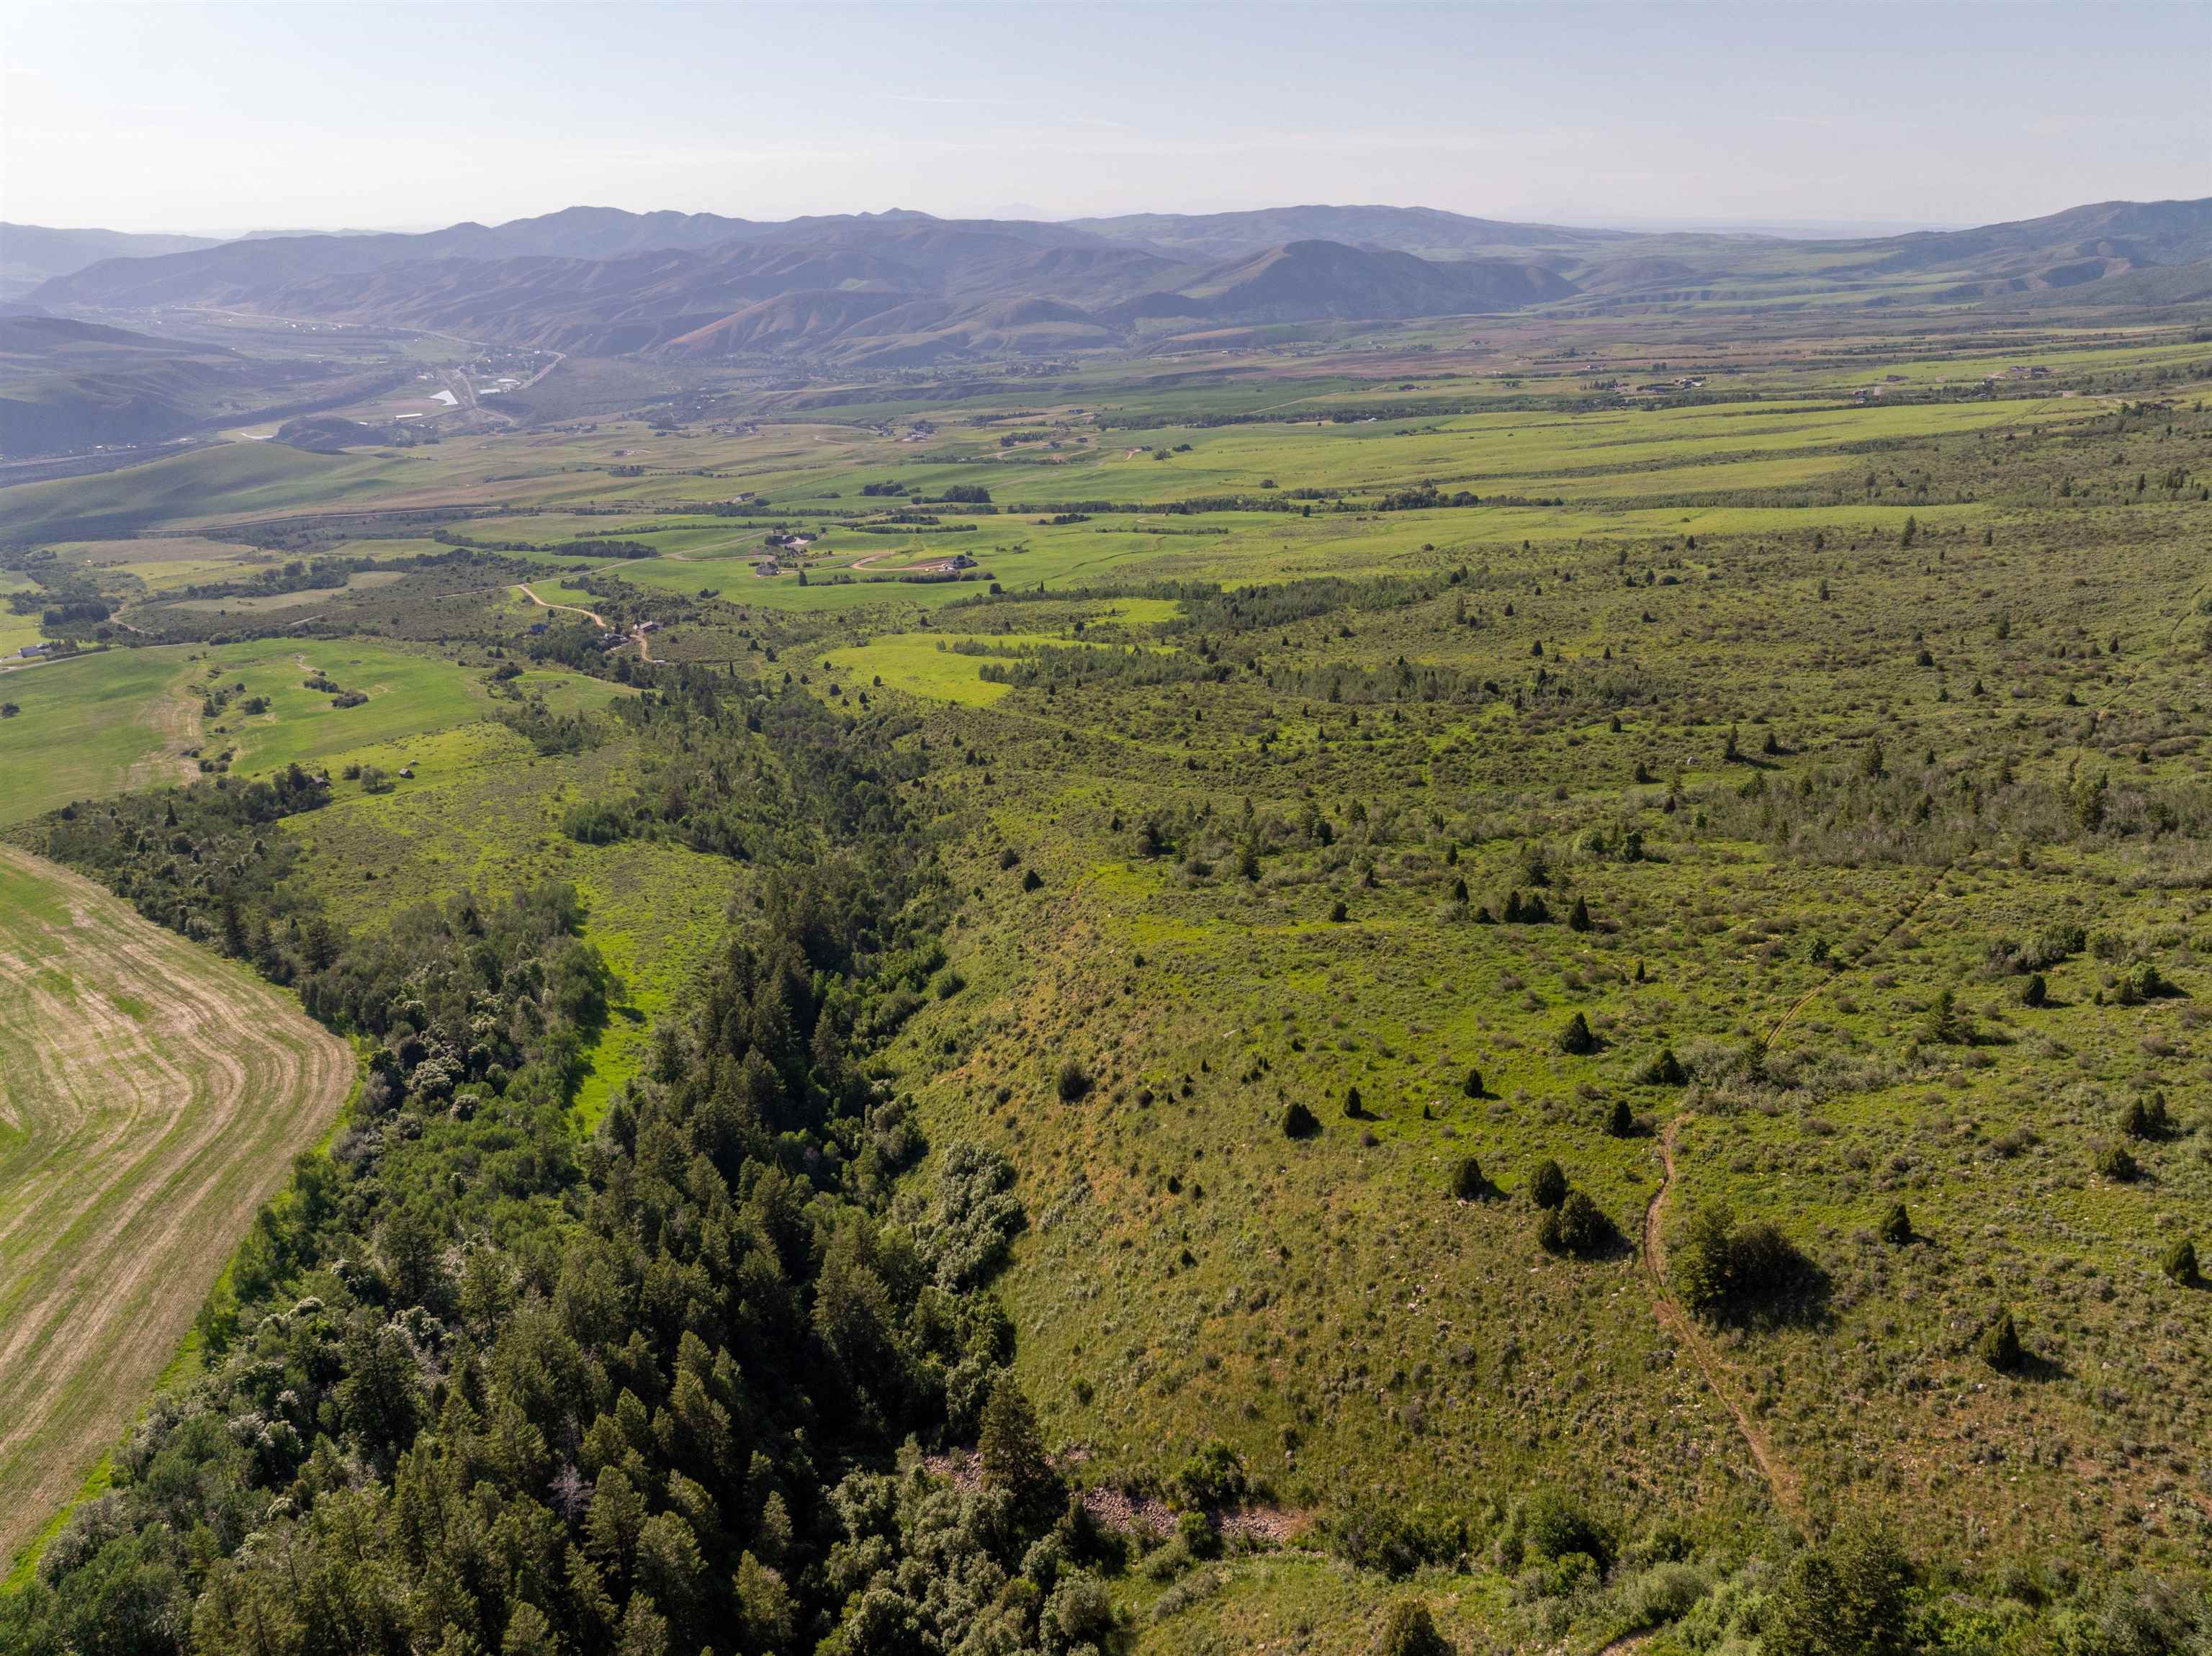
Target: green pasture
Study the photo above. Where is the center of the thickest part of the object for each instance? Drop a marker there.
(657, 912)
(407, 694)
(210, 483)
(17, 631)
(163, 562)
(90, 724)
(1324, 1307)
(410, 695)
(1640, 459)
(483, 813)
(925, 665)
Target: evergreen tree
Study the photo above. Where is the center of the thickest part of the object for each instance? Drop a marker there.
(2145, 1117)
(1467, 1182)
(1897, 1225)
(1010, 1449)
(1941, 1024)
(1573, 1227)
(1547, 1184)
(2001, 1346)
(1847, 1598)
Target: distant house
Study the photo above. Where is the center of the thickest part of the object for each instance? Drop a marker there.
(961, 560)
(32, 650)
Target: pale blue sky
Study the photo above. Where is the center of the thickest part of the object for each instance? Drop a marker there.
(220, 117)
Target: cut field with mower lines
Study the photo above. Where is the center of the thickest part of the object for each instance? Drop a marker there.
(151, 1097)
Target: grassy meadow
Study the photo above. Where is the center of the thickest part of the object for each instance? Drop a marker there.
(1779, 788)
(93, 724)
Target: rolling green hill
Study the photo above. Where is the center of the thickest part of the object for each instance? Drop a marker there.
(229, 477)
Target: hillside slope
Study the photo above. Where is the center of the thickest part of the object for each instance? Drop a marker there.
(68, 384)
(30, 253)
(1306, 280)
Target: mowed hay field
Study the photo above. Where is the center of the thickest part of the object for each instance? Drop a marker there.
(151, 1097)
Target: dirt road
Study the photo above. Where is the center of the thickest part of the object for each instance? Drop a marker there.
(597, 619)
(931, 567)
(1780, 1478)
(636, 635)
(152, 1096)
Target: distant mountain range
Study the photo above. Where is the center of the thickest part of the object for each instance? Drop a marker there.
(1422, 231)
(903, 287)
(30, 253)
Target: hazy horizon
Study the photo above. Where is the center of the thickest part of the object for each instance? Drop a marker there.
(1808, 229)
(202, 120)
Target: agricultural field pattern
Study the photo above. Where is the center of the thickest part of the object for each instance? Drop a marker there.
(155, 1098)
(1204, 978)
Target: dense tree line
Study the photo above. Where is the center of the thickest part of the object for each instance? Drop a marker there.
(742, 769)
(475, 1385)
(207, 861)
(294, 575)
